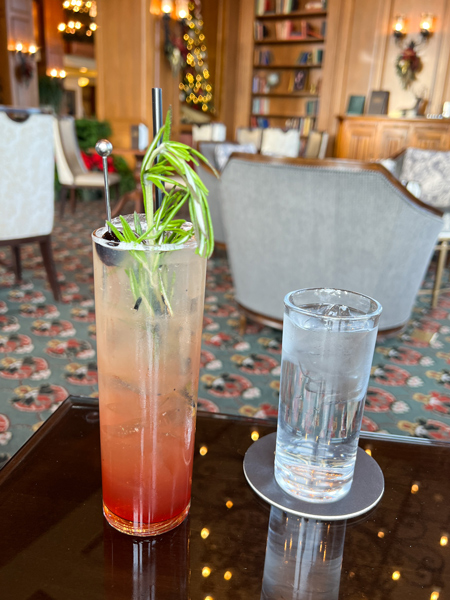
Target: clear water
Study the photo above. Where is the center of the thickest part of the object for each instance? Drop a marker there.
(325, 370)
(303, 558)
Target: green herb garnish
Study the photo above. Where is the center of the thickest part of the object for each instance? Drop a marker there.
(163, 160)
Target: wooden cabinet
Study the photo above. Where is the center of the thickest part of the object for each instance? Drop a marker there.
(372, 137)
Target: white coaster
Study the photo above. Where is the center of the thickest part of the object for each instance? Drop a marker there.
(366, 491)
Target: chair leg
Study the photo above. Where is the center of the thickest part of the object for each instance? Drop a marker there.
(242, 324)
(17, 264)
(50, 268)
(443, 250)
(73, 200)
(62, 201)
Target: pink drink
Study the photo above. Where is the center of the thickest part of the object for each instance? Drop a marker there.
(148, 363)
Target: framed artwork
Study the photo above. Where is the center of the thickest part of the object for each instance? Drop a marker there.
(356, 105)
(298, 81)
(378, 104)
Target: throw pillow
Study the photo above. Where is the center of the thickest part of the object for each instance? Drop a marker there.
(431, 169)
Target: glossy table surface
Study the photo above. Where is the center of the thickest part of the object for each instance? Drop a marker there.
(56, 545)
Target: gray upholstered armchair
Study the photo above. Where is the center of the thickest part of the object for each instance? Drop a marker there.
(426, 173)
(296, 223)
(217, 154)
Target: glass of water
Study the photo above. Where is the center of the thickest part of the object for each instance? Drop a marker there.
(328, 343)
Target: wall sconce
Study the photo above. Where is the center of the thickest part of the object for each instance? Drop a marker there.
(23, 48)
(426, 25)
(399, 30)
(175, 9)
(56, 74)
(167, 7)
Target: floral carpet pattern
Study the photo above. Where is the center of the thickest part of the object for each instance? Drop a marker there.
(48, 351)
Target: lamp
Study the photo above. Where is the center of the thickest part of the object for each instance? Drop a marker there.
(167, 7)
(425, 28)
(182, 9)
(426, 25)
(399, 29)
(175, 9)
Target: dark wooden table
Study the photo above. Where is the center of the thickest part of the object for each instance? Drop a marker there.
(56, 545)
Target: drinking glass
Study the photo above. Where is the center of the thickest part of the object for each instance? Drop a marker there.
(149, 310)
(327, 349)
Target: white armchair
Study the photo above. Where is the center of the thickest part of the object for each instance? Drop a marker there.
(27, 184)
(276, 142)
(72, 172)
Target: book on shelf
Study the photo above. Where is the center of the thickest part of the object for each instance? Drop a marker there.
(302, 124)
(314, 57)
(260, 30)
(260, 85)
(280, 7)
(316, 5)
(284, 7)
(306, 124)
(306, 31)
(261, 106)
(283, 30)
(263, 7)
(259, 122)
(263, 57)
(311, 107)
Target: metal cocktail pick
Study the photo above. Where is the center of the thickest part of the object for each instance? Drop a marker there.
(104, 149)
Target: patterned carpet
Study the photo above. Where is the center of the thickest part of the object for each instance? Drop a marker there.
(47, 350)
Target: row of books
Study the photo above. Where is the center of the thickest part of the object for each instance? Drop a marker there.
(316, 5)
(263, 57)
(311, 58)
(260, 85)
(287, 30)
(284, 7)
(260, 30)
(259, 122)
(304, 125)
(264, 7)
(261, 106)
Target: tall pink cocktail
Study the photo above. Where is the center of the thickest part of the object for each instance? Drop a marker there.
(149, 310)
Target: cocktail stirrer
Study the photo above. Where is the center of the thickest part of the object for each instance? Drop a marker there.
(104, 149)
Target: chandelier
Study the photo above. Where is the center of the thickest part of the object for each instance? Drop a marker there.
(83, 19)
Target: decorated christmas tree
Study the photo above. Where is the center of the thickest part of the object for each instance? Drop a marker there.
(195, 87)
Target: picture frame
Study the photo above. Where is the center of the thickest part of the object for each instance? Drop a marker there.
(378, 104)
(356, 105)
(298, 80)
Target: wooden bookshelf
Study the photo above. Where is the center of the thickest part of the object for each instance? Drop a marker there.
(291, 47)
(288, 67)
(287, 95)
(294, 40)
(303, 14)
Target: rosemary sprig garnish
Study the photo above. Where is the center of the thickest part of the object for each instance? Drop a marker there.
(163, 160)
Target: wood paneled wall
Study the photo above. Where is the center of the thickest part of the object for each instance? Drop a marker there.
(130, 62)
(16, 25)
(52, 46)
(361, 55)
